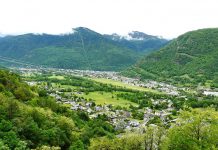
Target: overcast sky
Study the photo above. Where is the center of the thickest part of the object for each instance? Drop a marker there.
(167, 18)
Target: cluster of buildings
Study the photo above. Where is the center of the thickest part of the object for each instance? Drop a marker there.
(163, 87)
(120, 119)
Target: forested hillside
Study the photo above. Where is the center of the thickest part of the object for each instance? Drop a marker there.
(191, 58)
(31, 119)
(83, 49)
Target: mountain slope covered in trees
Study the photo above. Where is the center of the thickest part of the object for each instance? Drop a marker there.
(192, 57)
(30, 119)
(83, 49)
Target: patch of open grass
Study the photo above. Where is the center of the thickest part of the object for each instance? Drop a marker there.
(121, 84)
(57, 77)
(108, 98)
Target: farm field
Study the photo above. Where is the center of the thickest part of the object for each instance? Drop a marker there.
(119, 83)
(102, 98)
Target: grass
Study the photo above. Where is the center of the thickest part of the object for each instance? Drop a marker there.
(57, 77)
(108, 98)
(57, 85)
(119, 83)
(101, 97)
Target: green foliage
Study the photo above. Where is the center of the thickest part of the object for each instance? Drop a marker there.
(38, 122)
(195, 129)
(23, 93)
(11, 83)
(191, 58)
(3, 146)
(78, 145)
(128, 142)
(151, 140)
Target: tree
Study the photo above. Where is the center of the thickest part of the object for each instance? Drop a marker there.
(12, 108)
(195, 129)
(131, 142)
(23, 93)
(77, 145)
(153, 137)
(3, 146)
(21, 145)
(10, 138)
(2, 88)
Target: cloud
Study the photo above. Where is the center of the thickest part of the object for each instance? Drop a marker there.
(168, 18)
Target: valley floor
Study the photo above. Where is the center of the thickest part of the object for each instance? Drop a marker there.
(120, 100)
(81, 109)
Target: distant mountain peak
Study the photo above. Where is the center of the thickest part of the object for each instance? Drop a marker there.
(81, 48)
(134, 36)
(81, 29)
(141, 36)
(84, 30)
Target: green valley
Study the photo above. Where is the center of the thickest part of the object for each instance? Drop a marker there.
(75, 109)
(146, 106)
(108, 75)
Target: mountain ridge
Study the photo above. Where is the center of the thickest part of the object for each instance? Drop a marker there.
(139, 41)
(192, 57)
(82, 49)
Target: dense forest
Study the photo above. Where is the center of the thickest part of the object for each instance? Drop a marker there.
(31, 120)
(191, 58)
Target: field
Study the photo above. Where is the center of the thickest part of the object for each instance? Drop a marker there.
(108, 98)
(119, 83)
(57, 77)
(115, 83)
(100, 97)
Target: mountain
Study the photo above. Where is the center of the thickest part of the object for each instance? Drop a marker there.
(1, 67)
(2, 35)
(191, 58)
(139, 41)
(82, 49)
